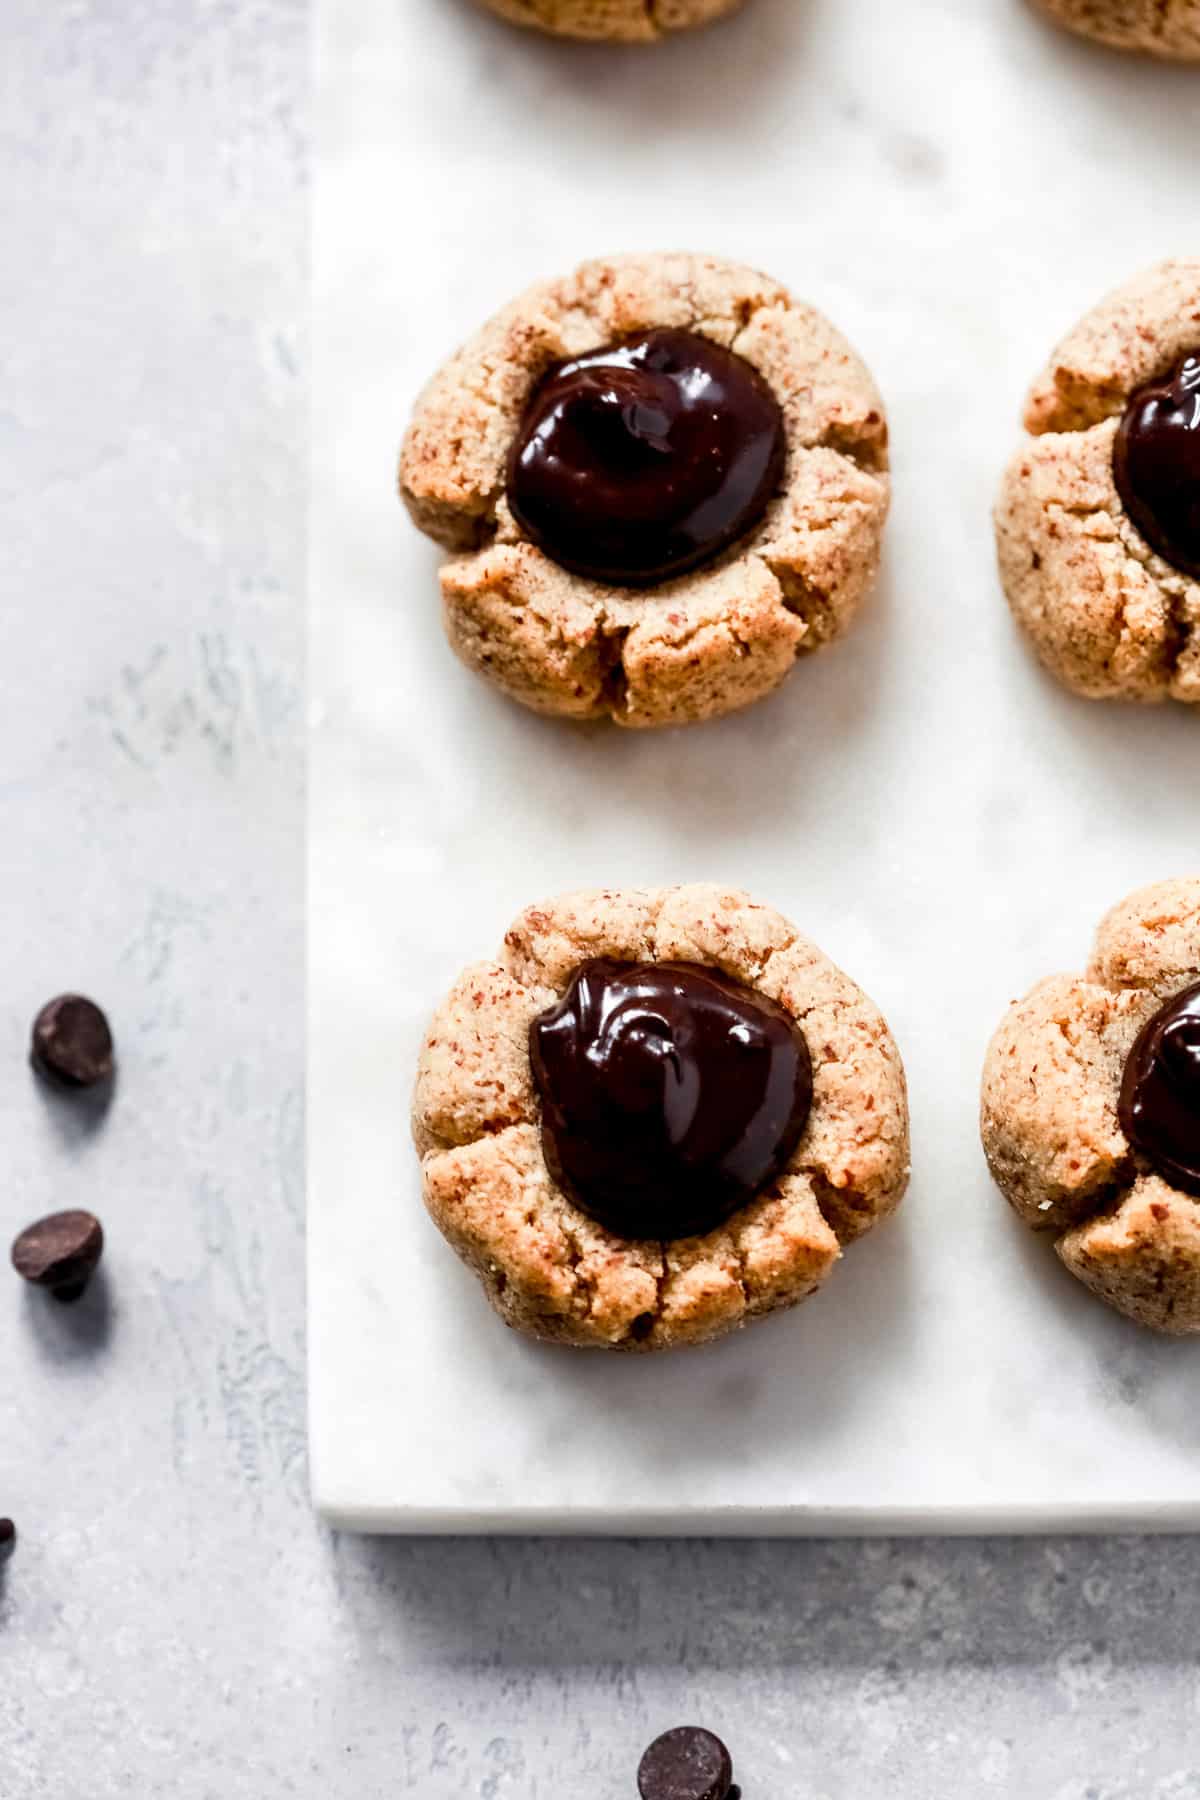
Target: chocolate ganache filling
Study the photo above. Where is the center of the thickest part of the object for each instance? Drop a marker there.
(647, 458)
(1156, 462)
(671, 1094)
(1159, 1108)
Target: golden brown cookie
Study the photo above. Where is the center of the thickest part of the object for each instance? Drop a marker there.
(1108, 613)
(612, 21)
(1085, 1114)
(548, 1267)
(707, 641)
(1168, 28)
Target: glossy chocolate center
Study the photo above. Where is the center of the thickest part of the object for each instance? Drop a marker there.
(646, 458)
(670, 1094)
(1160, 1094)
(1156, 460)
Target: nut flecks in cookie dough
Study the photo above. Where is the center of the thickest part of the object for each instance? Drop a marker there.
(1156, 462)
(702, 643)
(613, 21)
(1167, 28)
(547, 1267)
(1059, 1086)
(670, 1094)
(1105, 609)
(647, 458)
(1160, 1093)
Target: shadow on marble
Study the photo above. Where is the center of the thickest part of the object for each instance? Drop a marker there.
(783, 1394)
(926, 1605)
(1149, 755)
(74, 1331)
(1150, 1376)
(739, 74)
(77, 1114)
(718, 1397)
(1121, 90)
(702, 781)
(694, 84)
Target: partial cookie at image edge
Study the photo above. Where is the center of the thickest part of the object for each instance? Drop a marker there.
(1107, 615)
(1049, 1105)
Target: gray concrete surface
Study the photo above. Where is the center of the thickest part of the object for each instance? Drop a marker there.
(174, 1622)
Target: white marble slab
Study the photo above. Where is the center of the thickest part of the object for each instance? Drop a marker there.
(953, 185)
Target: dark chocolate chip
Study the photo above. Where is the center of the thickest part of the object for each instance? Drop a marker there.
(1159, 1108)
(72, 1043)
(688, 1763)
(647, 458)
(60, 1253)
(8, 1539)
(671, 1094)
(1156, 461)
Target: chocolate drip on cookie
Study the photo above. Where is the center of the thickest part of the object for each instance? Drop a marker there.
(647, 458)
(1160, 1094)
(671, 1094)
(1156, 462)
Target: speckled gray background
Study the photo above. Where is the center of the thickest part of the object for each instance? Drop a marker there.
(175, 1622)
